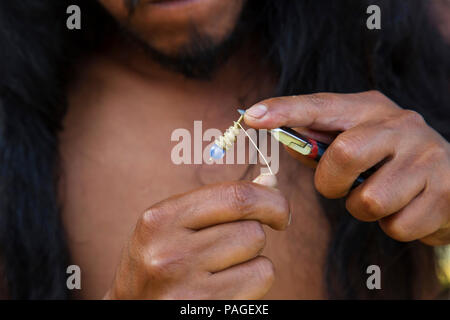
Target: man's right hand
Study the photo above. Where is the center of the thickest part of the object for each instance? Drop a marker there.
(204, 244)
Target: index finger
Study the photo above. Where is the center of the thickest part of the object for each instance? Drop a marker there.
(321, 111)
(227, 202)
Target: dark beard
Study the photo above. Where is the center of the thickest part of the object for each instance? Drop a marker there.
(202, 56)
(199, 59)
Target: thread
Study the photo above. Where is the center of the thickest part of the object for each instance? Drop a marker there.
(227, 140)
(256, 147)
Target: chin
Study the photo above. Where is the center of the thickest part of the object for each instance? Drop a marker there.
(167, 25)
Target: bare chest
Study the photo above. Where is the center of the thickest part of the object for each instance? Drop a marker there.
(118, 160)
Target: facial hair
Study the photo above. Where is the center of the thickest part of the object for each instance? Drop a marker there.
(201, 56)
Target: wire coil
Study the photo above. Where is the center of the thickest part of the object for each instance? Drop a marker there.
(227, 140)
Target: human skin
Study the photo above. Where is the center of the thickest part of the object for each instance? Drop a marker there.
(166, 25)
(409, 194)
(116, 164)
(116, 170)
(222, 239)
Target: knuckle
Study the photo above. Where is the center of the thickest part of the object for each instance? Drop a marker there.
(240, 195)
(370, 205)
(164, 264)
(414, 117)
(150, 219)
(255, 232)
(321, 100)
(265, 270)
(380, 101)
(376, 95)
(146, 227)
(431, 155)
(409, 118)
(344, 150)
(322, 182)
(396, 230)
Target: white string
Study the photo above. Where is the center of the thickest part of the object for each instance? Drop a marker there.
(254, 144)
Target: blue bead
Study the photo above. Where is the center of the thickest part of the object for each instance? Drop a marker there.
(216, 152)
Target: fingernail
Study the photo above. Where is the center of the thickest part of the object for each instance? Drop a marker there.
(257, 111)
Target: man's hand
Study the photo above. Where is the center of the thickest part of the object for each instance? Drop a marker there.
(409, 194)
(204, 244)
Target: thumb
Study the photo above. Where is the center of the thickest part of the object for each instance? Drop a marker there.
(266, 179)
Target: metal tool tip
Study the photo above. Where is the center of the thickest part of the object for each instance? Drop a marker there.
(241, 111)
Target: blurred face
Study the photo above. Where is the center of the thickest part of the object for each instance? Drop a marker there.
(176, 27)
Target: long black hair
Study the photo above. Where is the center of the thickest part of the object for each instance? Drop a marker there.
(314, 45)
